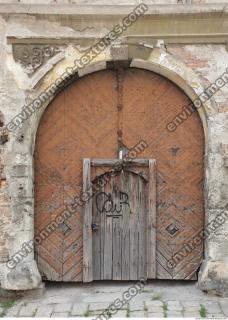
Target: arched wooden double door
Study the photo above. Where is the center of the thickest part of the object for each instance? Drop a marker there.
(93, 118)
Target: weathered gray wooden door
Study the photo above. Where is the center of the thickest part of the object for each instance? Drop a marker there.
(119, 229)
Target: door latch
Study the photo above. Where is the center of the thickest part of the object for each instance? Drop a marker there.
(94, 226)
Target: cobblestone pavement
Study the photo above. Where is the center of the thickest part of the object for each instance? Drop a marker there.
(157, 299)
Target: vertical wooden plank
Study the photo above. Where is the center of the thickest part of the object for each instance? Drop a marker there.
(125, 249)
(117, 231)
(134, 236)
(108, 237)
(117, 248)
(108, 249)
(151, 222)
(142, 213)
(102, 239)
(87, 230)
(96, 220)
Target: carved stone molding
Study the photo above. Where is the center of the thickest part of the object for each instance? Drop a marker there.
(33, 56)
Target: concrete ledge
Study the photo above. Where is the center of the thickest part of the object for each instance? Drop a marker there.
(192, 23)
(111, 10)
(31, 294)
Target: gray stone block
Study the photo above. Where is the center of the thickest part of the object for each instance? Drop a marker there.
(215, 315)
(212, 307)
(154, 303)
(173, 303)
(174, 314)
(136, 305)
(193, 314)
(93, 306)
(119, 52)
(13, 312)
(224, 306)
(63, 307)
(60, 315)
(137, 314)
(154, 309)
(29, 310)
(191, 303)
(155, 315)
(79, 309)
(44, 311)
(175, 308)
(192, 308)
(120, 314)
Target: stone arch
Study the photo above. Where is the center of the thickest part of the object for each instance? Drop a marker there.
(25, 274)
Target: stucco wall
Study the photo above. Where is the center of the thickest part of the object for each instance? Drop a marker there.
(17, 88)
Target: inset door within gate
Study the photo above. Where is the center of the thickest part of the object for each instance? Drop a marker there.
(119, 229)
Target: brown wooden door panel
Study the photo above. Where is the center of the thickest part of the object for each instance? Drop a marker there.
(80, 123)
(122, 215)
(119, 214)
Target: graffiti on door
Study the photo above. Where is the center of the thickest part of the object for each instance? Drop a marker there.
(112, 205)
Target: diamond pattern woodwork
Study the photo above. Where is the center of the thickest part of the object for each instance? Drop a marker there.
(82, 123)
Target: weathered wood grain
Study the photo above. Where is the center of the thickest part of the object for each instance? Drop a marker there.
(151, 222)
(87, 221)
(134, 236)
(121, 251)
(117, 232)
(125, 233)
(142, 232)
(96, 242)
(112, 162)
